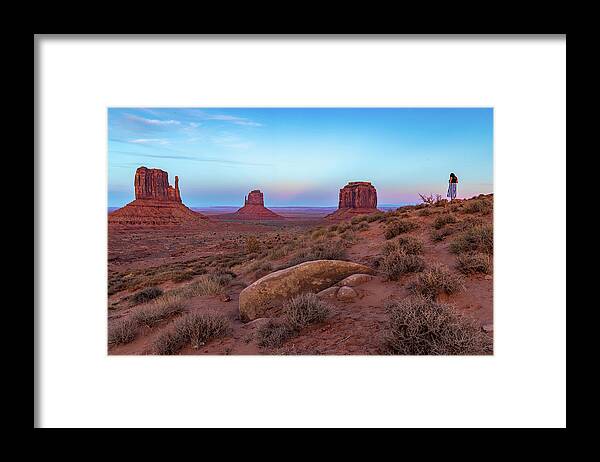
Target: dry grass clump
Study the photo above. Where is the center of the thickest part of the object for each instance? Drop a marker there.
(420, 326)
(273, 334)
(146, 295)
(329, 250)
(299, 312)
(408, 244)
(263, 270)
(440, 234)
(317, 233)
(252, 244)
(482, 206)
(444, 219)
(305, 309)
(377, 216)
(207, 284)
(158, 310)
(358, 219)
(424, 212)
(194, 329)
(122, 331)
(478, 238)
(397, 262)
(471, 263)
(436, 280)
(349, 236)
(397, 227)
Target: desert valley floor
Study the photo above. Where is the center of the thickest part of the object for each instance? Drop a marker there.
(169, 260)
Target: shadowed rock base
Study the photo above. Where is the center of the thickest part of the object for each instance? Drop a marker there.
(147, 213)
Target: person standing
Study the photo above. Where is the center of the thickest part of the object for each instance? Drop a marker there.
(452, 183)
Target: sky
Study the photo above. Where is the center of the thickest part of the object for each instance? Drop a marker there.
(301, 156)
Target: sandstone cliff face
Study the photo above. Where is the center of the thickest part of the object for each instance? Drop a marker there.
(153, 183)
(157, 204)
(358, 195)
(254, 198)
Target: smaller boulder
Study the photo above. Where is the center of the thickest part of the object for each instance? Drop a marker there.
(328, 293)
(346, 294)
(355, 280)
(488, 328)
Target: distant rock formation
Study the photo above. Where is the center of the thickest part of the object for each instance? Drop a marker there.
(253, 210)
(153, 183)
(357, 197)
(156, 204)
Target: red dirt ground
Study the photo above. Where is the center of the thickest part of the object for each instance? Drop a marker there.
(353, 328)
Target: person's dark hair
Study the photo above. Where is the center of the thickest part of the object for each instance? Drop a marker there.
(452, 175)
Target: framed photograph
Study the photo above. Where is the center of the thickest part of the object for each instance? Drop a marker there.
(300, 231)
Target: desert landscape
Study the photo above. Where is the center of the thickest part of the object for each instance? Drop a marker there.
(356, 280)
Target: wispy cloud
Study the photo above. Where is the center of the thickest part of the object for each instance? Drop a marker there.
(192, 158)
(149, 141)
(152, 122)
(233, 119)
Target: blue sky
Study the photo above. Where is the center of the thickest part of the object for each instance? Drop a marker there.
(301, 156)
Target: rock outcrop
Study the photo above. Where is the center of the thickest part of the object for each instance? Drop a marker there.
(153, 183)
(156, 204)
(268, 294)
(356, 198)
(253, 210)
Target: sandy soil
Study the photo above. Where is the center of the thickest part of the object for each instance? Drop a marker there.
(353, 328)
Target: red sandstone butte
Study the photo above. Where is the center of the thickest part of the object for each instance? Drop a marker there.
(254, 209)
(356, 198)
(156, 204)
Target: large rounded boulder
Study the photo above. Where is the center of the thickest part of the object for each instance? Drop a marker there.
(272, 290)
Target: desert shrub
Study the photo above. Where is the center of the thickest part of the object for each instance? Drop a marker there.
(482, 206)
(317, 233)
(181, 277)
(430, 199)
(348, 235)
(397, 262)
(277, 253)
(363, 226)
(333, 228)
(397, 227)
(343, 227)
(374, 217)
(158, 310)
(424, 212)
(222, 275)
(264, 269)
(420, 326)
(441, 234)
(147, 294)
(408, 244)
(252, 244)
(122, 331)
(272, 334)
(441, 203)
(436, 280)
(358, 219)
(478, 238)
(443, 219)
(194, 329)
(206, 284)
(470, 263)
(330, 250)
(305, 309)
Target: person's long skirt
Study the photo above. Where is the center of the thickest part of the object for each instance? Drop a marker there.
(451, 191)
